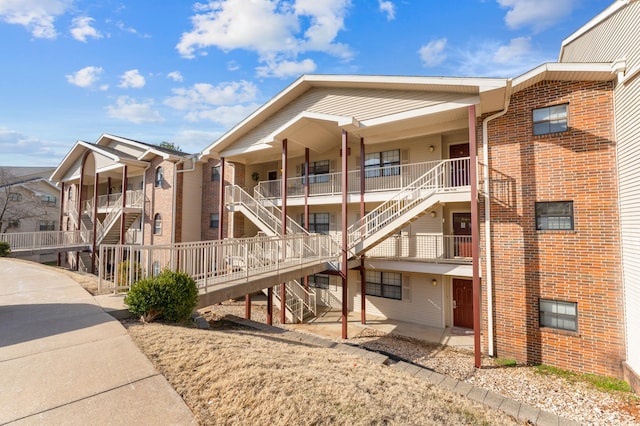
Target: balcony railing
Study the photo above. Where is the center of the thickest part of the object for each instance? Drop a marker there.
(429, 248)
(135, 199)
(27, 241)
(387, 178)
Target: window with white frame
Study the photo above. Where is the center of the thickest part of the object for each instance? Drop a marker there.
(551, 119)
(14, 224)
(159, 178)
(319, 223)
(15, 197)
(157, 224)
(215, 173)
(554, 215)
(156, 268)
(384, 163)
(70, 194)
(318, 171)
(48, 200)
(47, 225)
(384, 284)
(214, 220)
(319, 281)
(559, 314)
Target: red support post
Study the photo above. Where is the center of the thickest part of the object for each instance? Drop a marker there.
(124, 205)
(283, 288)
(344, 269)
(475, 235)
(221, 200)
(247, 306)
(95, 223)
(363, 283)
(306, 203)
(61, 215)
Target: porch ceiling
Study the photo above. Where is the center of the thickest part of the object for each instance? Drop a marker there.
(322, 134)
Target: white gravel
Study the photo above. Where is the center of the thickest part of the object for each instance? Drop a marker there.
(574, 400)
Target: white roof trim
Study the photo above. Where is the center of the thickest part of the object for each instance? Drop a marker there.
(599, 18)
(562, 67)
(247, 150)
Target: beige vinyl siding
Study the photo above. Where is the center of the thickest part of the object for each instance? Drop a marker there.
(421, 302)
(102, 161)
(628, 135)
(126, 148)
(615, 38)
(362, 104)
(191, 204)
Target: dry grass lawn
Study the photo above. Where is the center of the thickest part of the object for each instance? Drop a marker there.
(234, 375)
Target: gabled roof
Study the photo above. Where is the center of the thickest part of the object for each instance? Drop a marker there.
(144, 152)
(459, 85)
(564, 71)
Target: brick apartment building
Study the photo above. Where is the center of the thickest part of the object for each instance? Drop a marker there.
(526, 192)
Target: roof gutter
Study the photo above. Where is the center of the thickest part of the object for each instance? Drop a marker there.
(487, 212)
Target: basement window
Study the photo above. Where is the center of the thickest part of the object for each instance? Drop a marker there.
(559, 314)
(551, 119)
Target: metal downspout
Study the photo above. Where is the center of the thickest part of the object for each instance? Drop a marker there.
(487, 214)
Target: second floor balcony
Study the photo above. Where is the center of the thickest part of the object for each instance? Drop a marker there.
(377, 180)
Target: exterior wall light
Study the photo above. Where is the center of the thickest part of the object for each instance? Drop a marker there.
(432, 148)
(433, 213)
(434, 282)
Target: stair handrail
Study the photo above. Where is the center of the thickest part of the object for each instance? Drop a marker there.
(297, 299)
(113, 213)
(235, 195)
(292, 226)
(403, 201)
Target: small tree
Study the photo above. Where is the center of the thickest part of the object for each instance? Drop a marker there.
(170, 295)
(5, 250)
(169, 145)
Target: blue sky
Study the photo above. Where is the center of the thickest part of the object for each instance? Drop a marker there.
(185, 72)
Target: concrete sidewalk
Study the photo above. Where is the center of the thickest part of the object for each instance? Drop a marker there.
(63, 360)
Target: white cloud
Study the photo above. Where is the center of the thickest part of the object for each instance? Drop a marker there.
(37, 16)
(81, 29)
(285, 68)
(27, 150)
(539, 14)
(131, 79)
(225, 115)
(203, 95)
(387, 8)
(129, 109)
(175, 76)
(494, 59)
(86, 77)
(514, 51)
(131, 30)
(286, 29)
(432, 54)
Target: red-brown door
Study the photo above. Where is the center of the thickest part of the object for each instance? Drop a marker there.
(459, 172)
(462, 235)
(462, 303)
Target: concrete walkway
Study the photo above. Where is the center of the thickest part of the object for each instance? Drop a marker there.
(63, 360)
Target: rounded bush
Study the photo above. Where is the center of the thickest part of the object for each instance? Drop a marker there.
(5, 250)
(170, 295)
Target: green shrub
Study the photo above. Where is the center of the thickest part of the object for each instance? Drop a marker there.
(170, 295)
(127, 276)
(5, 250)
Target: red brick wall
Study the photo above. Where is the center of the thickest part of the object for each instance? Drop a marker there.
(211, 199)
(159, 200)
(578, 266)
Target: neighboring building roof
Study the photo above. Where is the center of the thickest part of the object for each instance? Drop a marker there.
(27, 173)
